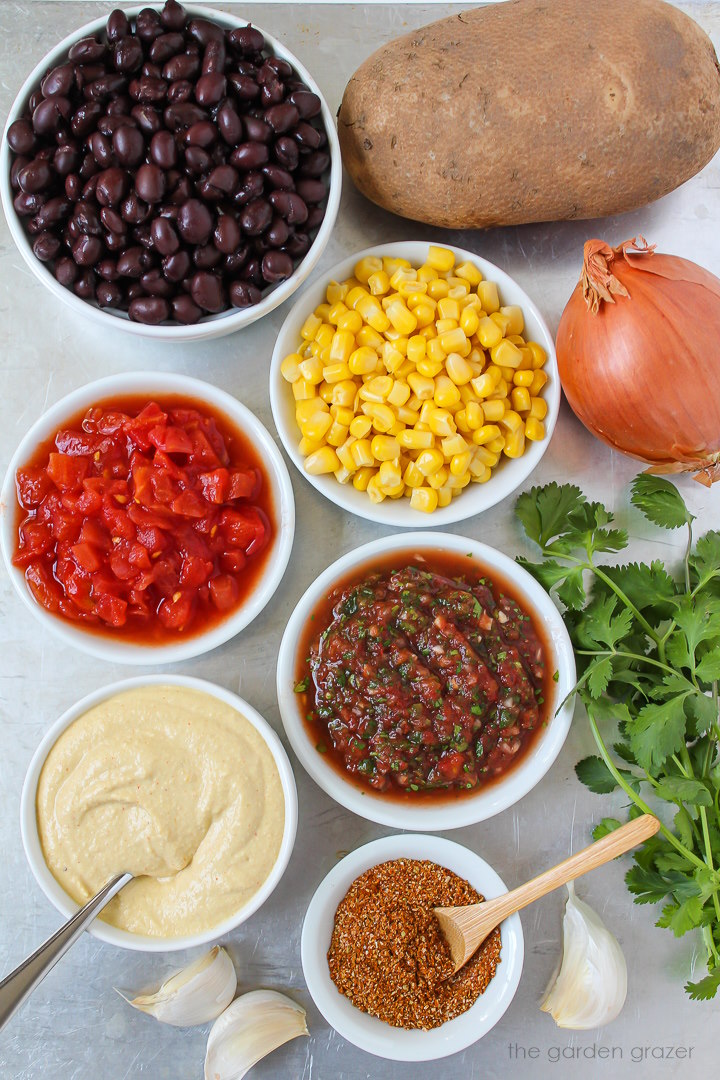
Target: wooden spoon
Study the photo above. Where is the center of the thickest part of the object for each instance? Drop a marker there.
(465, 928)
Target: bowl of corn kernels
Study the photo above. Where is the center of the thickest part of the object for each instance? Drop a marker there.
(415, 384)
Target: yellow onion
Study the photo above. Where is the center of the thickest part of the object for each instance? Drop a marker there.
(638, 351)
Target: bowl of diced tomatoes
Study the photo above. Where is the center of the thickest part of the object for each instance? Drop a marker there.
(146, 518)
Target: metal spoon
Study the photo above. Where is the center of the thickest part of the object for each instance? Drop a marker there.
(465, 928)
(21, 982)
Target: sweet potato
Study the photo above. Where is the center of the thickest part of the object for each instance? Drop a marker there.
(533, 110)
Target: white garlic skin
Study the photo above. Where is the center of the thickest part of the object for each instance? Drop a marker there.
(252, 1027)
(197, 994)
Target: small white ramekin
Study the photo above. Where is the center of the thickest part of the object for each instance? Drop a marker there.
(375, 1035)
(103, 645)
(54, 891)
(448, 813)
(212, 326)
(509, 474)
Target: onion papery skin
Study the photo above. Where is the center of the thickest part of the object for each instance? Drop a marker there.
(638, 351)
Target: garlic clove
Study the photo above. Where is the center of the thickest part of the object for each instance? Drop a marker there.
(590, 987)
(253, 1026)
(195, 995)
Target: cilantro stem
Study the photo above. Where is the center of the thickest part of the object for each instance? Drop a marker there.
(688, 551)
(635, 656)
(639, 802)
(599, 572)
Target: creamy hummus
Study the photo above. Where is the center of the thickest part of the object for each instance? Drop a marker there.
(176, 787)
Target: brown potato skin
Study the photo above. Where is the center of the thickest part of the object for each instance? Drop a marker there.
(533, 110)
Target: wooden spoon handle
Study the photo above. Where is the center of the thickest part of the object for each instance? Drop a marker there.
(602, 851)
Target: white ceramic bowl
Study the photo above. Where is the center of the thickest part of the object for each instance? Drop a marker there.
(57, 895)
(471, 808)
(375, 1035)
(151, 383)
(212, 326)
(475, 498)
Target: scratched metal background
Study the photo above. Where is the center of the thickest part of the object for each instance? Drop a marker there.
(75, 1027)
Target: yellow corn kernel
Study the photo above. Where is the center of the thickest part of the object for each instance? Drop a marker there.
(442, 423)
(440, 258)
(385, 448)
(538, 408)
(390, 476)
(355, 295)
(501, 390)
(403, 273)
(457, 483)
(469, 321)
(391, 263)
(327, 392)
(421, 385)
(367, 266)
(309, 407)
(302, 390)
(344, 453)
(382, 416)
(401, 317)
(484, 385)
(322, 311)
(429, 368)
(336, 290)
(534, 429)
(426, 411)
(337, 434)
(416, 348)
(515, 444)
(507, 373)
(539, 380)
(517, 339)
(502, 321)
(424, 314)
(515, 315)
(480, 473)
(437, 289)
(412, 288)
(496, 446)
(317, 426)
(343, 475)
(486, 456)
(427, 273)
(290, 367)
(363, 361)
(448, 309)
(335, 373)
(309, 446)
(439, 479)
(412, 475)
(324, 460)
(311, 370)
(372, 313)
(520, 398)
(458, 369)
(453, 444)
(538, 354)
(377, 388)
(324, 337)
(488, 293)
(435, 350)
(350, 321)
(472, 300)
(486, 434)
(374, 490)
(512, 421)
(444, 496)
(399, 393)
(506, 355)
(366, 336)
(429, 461)
(488, 332)
(424, 499)
(461, 421)
(453, 340)
(343, 393)
(408, 415)
(493, 410)
(362, 478)
(335, 312)
(362, 453)
(475, 415)
(360, 426)
(446, 392)
(523, 378)
(469, 272)
(460, 463)
(397, 427)
(412, 439)
(343, 344)
(310, 327)
(379, 283)
(393, 359)
(443, 326)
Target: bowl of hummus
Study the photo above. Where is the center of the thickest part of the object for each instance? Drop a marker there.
(175, 780)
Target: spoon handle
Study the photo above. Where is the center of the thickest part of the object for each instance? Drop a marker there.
(602, 851)
(21, 982)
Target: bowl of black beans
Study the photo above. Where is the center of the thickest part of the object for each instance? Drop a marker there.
(172, 172)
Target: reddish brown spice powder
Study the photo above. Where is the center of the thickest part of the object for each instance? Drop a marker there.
(388, 954)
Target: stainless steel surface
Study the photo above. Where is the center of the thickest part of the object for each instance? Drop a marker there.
(75, 1027)
(16, 987)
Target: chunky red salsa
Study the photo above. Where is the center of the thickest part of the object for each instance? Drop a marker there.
(145, 519)
(422, 675)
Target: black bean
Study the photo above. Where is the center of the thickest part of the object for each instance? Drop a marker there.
(252, 272)
(59, 81)
(223, 178)
(173, 15)
(86, 51)
(129, 263)
(85, 118)
(229, 124)
(155, 284)
(115, 241)
(142, 235)
(281, 117)
(247, 40)
(176, 267)
(233, 262)
(148, 25)
(72, 187)
(306, 103)
(282, 69)
(227, 235)
(21, 136)
(257, 130)
(306, 135)
(148, 90)
(210, 89)
(250, 155)
(179, 91)
(277, 177)
(127, 55)
(87, 250)
(46, 246)
(101, 149)
(104, 87)
(206, 257)
(35, 99)
(244, 294)
(51, 114)
(163, 150)
(298, 245)
(286, 152)
(150, 183)
(182, 192)
(164, 237)
(108, 294)
(147, 118)
(271, 93)
(35, 177)
(112, 185)
(252, 186)
(133, 210)
(86, 283)
(197, 160)
(87, 73)
(277, 233)
(87, 219)
(107, 269)
(195, 222)
(245, 87)
(111, 122)
(203, 133)
(204, 31)
(182, 66)
(311, 191)
(118, 26)
(183, 115)
(151, 71)
(314, 164)
(165, 46)
(207, 291)
(149, 309)
(289, 205)
(112, 220)
(88, 167)
(214, 57)
(66, 271)
(16, 168)
(53, 211)
(185, 310)
(129, 146)
(256, 216)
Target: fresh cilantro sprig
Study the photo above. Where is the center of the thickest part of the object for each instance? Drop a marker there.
(647, 646)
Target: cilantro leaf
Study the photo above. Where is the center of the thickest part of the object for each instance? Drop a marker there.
(599, 677)
(705, 560)
(706, 988)
(605, 827)
(543, 511)
(603, 624)
(648, 588)
(660, 502)
(708, 670)
(594, 774)
(698, 622)
(657, 732)
(651, 886)
(682, 789)
(681, 917)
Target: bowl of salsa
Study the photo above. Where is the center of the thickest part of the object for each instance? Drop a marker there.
(147, 518)
(422, 681)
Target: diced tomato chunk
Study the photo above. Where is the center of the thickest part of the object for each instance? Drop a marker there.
(87, 557)
(224, 591)
(43, 586)
(450, 764)
(189, 504)
(215, 485)
(111, 609)
(170, 439)
(175, 613)
(195, 571)
(67, 473)
(244, 484)
(33, 484)
(35, 539)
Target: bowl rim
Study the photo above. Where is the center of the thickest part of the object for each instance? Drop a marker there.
(473, 808)
(215, 399)
(398, 513)
(211, 326)
(31, 840)
(370, 1033)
